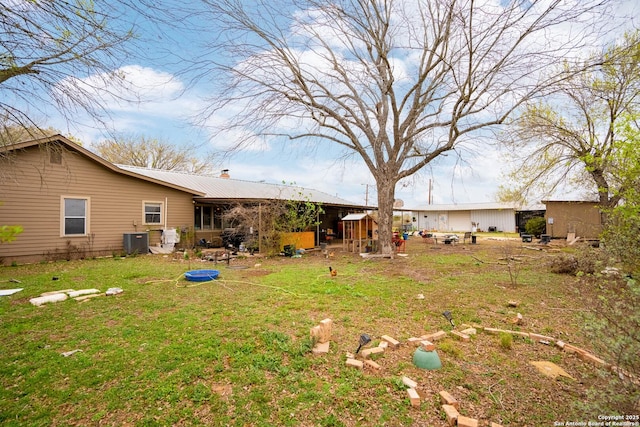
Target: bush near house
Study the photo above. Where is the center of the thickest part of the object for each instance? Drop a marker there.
(536, 226)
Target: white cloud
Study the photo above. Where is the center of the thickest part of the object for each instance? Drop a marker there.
(135, 98)
(151, 101)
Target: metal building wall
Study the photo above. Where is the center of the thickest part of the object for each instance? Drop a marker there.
(503, 220)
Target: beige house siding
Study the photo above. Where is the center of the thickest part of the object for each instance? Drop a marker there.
(32, 195)
(582, 218)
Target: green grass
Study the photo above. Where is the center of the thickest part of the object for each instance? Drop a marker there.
(236, 351)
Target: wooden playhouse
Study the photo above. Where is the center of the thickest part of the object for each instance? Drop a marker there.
(360, 233)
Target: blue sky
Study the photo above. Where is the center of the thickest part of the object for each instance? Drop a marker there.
(168, 106)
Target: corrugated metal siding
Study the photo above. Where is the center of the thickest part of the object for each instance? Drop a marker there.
(32, 198)
(503, 220)
(459, 221)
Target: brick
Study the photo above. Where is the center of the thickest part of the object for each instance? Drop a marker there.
(538, 337)
(321, 348)
(591, 358)
(372, 364)
(447, 399)
(560, 344)
(314, 333)
(452, 414)
(61, 291)
(355, 363)
(493, 331)
(427, 345)
(325, 330)
(469, 331)
(86, 297)
(518, 333)
(414, 340)
(392, 342)
(513, 303)
(573, 349)
(414, 397)
(409, 382)
(373, 350)
(383, 344)
(435, 336)
(460, 335)
(467, 422)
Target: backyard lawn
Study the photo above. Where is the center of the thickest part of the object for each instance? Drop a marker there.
(236, 351)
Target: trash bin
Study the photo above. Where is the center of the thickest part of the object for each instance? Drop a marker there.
(473, 240)
(405, 236)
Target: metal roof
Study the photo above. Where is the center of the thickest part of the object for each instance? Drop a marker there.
(356, 217)
(478, 207)
(237, 190)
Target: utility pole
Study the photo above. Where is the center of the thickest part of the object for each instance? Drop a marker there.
(366, 194)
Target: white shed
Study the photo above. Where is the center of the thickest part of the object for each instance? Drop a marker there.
(466, 217)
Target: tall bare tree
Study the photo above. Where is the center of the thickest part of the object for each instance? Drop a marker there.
(578, 135)
(48, 51)
(157, 154)
(395, 82)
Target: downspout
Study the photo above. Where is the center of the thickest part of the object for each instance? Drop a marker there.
(166, 211)
(260, 227)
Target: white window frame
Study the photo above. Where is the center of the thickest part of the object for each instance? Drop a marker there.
(64, 216)
(144, 211)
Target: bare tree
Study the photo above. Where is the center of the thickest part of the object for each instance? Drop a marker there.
(576, 135)
(156, 154)
(68, 55)
(11, 134)
(395, 82)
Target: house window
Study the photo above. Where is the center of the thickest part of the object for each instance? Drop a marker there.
(208, 217)
(204, 218)
(152, 213)
(75, 216)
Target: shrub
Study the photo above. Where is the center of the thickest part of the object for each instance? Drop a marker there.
(536, 226)
(450, 348)
(506, 340)
(620, 237)
(586, 261)
(612, 327)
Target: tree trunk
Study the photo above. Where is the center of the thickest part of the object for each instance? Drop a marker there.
(605, 201)
(386, 193)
